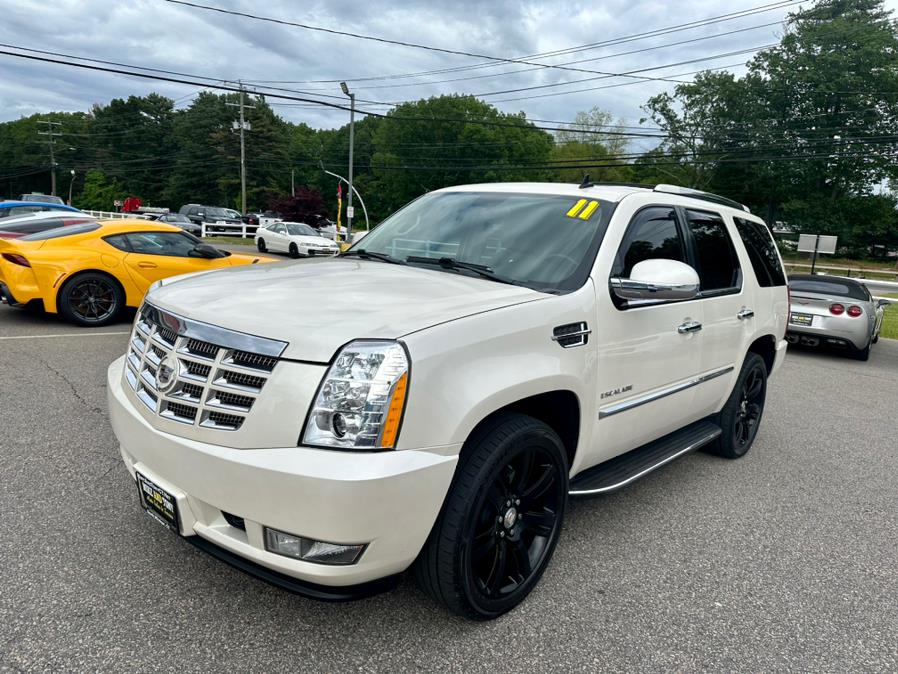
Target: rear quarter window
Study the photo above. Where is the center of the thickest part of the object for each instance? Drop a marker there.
(762, 253)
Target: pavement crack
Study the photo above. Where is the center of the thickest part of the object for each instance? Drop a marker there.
(71, 386)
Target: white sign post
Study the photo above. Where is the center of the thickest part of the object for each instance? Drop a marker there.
(816, 243)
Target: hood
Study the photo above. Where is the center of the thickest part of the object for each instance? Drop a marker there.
(317, 306)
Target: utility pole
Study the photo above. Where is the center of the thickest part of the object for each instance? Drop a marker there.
(243, 126)
(292, 187)
(51, 141)
(349, 209)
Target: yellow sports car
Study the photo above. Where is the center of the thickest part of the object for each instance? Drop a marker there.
(89, 272)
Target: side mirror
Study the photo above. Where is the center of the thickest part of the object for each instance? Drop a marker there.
(883, 302)
(204, 250)
(665, 280)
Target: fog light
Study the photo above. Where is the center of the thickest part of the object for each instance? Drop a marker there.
(309, 550)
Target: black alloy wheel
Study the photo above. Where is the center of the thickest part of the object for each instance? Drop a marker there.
(91, 299)
(260, 244)
(501, 520)
(740, 418)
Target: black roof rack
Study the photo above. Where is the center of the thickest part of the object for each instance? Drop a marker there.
(699, 194)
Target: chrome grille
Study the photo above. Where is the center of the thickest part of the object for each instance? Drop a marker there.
(215, 385)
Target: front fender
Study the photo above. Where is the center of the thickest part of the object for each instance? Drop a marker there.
(464, 370)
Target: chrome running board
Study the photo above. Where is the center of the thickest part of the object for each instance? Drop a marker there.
(626, 468)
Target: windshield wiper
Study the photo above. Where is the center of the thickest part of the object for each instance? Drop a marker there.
(372, 255)
(452, 263)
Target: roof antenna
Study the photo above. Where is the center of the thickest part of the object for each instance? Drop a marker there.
(586, 182)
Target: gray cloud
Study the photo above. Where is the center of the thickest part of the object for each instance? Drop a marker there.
(162, 35)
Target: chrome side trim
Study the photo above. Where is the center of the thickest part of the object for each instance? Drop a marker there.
(704, 440)
(625, 405)
(221, 337)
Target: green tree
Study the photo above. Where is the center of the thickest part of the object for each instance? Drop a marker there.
(99, 192)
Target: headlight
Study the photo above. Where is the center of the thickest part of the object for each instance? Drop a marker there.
(361, 398)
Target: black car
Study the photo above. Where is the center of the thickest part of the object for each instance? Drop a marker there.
(181, 221)
(214, 215)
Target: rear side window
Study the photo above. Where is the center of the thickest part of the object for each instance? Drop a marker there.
(119, 241)
(761, 252)
(652, 234)
(716, 261)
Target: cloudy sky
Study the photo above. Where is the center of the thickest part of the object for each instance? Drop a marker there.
(160, 34)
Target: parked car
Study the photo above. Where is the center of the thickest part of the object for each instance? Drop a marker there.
(212, 216)
(39, 221)
(432, 397)
(262, 219)
(834, 311)
(89, 272)
(296, 238)
(182, 221)
(42, 198)
(15, 209)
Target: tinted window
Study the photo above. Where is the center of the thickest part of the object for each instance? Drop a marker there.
(716, 261)
(824, 286)
(119, 241)
(761, 252)
(172, 244)
(69, 230)
(652, 235)
(279, 229)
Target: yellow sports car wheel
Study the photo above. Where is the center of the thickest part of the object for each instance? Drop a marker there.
(91, 299)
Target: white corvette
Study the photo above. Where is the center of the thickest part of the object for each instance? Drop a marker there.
(296, 238)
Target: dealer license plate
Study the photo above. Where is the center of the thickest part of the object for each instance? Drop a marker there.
(159, 504)
(801, 319)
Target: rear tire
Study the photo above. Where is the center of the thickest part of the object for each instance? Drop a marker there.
(500, 521)
(741, 416)
(260, 244)
(91, 299)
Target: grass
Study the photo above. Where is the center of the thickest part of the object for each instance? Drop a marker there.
(230, 240)
(840, 266)
(890, 320)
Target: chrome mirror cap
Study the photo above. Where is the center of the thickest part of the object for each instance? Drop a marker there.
(657, 280)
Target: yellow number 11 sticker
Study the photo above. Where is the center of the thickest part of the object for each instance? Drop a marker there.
(578, 210)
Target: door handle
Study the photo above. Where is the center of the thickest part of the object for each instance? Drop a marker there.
(689, 326)
(147, 265)
(745, 313)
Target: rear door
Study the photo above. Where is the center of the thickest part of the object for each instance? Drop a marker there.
(727, 327)
(157, 255)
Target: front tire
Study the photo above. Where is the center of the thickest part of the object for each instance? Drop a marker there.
(501, 520)
(294, 251)
(741, 416)
(91, 299)
(260, 244)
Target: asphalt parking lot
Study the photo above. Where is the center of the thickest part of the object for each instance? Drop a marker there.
(785, 560)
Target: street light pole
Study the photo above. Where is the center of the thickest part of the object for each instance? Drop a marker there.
(349, 210)
(71, 184)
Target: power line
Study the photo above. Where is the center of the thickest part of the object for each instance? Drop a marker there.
(595, 45)
(400, 43)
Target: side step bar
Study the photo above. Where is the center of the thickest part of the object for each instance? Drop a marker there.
(626, 468)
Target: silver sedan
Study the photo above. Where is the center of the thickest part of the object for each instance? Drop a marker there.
(833, 311)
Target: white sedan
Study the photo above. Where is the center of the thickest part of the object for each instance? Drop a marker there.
(296, 238)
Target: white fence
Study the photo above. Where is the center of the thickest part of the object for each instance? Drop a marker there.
(113, 215)
(229, 229)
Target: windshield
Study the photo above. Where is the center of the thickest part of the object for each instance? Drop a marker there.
(544, 242)
(301, 230)
(824, 286)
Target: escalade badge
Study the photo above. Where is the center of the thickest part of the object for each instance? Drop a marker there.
(165, 375)
(616, 391)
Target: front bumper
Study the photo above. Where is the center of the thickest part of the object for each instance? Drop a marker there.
(388, 500)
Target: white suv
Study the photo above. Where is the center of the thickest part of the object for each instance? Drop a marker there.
(483, 355)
